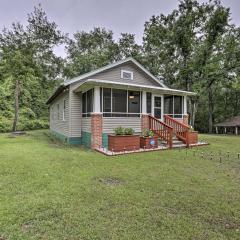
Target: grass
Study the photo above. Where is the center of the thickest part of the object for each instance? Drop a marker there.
(52, 191)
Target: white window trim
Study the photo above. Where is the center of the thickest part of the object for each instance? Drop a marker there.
(125, 71)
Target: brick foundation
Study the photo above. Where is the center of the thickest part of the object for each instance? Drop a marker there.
(96, 127)
(185, 119)
(144, 121)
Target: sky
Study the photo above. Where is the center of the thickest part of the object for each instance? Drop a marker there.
(120, 16)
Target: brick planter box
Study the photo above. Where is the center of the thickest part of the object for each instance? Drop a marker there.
(118, 143)
(149, 142)
(193, 137)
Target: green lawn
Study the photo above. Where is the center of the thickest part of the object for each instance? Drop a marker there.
(52, 191)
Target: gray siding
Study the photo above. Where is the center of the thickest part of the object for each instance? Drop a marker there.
(114, 74)
(86, 124)
(131, 122)
(59, 125)
(75, 114)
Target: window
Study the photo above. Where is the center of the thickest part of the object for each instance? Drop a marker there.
(149, 103)
(173, 106)
(52, 113)
(58, 111)
(87, 103)
(64, 109)
(120, 103)
(126, 74)
(134, 102)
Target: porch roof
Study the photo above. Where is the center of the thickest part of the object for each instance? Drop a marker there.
(104, 83)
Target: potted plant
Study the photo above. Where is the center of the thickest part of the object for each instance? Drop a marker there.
(124, 139)
(148, 139)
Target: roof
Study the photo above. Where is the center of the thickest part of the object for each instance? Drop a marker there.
(88, 75)
(109, 66)
(231, 122)
(134, 86)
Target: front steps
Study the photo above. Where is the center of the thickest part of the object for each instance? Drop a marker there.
(176, 143)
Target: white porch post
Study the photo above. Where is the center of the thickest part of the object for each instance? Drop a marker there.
(185, 105)
(144, 102)
(216, 130)
(96, 101)
(236, 130)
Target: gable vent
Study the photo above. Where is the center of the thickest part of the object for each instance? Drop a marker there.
(126, 74)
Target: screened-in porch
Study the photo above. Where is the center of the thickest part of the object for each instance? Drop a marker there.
(117, 103)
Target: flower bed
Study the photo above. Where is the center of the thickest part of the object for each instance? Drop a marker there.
(149, 142)
(148, 139)
(118, 143)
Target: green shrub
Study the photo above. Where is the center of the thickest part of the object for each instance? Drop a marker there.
(5, 125)
(123, 131)
(24, 124)
(147, 133)
(33, 124)
(119, 131)
(128, 131)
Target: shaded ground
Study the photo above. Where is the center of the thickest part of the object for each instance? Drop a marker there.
(52, 191)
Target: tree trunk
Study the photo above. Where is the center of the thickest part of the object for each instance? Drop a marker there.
(16, 106)
(210, 110)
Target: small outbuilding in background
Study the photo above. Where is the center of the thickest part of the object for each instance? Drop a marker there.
(229, 126)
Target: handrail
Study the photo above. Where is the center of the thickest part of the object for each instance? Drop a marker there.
(160, 128)
(180, 129)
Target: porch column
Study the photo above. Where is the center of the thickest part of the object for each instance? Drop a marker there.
(96, 101)
(144, 115)
(216, 130)
(96, 121)
(185, 105)
(236, 130)
(185, 115)
(144, 102)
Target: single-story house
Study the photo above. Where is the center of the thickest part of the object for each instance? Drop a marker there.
(231, 125)
(85, 109)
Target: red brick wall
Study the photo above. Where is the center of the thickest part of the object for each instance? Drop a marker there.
(96, 126)
(144, 121)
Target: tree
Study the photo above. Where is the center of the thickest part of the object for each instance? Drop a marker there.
(28, 63)
(89, 51)
(187, 49)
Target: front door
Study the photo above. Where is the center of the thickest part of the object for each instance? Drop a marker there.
(157, 106)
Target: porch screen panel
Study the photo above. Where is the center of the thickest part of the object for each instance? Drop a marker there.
(84, 103)
(134, 103)
(149, 103)
(178, 106)
(107, 102)
(89, 101)
(168, 105)
(119, 102)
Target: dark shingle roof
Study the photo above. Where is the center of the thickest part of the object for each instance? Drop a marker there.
(232, 122)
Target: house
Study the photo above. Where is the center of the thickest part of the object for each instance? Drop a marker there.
(85, 109)
(231, 125)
